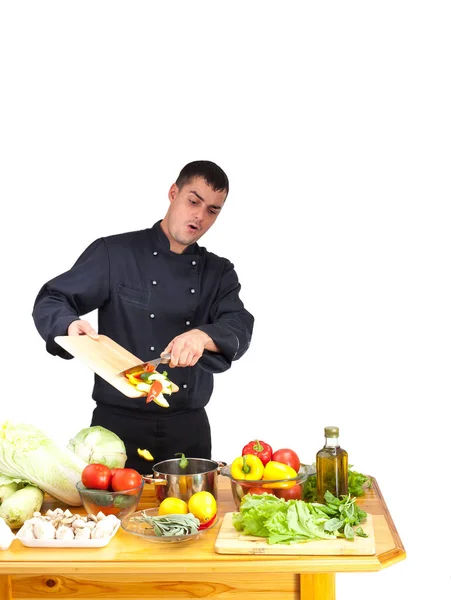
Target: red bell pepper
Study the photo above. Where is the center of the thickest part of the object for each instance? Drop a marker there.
(260, 449)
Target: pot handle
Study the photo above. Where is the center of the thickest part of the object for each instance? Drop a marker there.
(150, 479)
(221, 465)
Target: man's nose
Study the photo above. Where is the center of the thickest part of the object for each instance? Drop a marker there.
(199, 214)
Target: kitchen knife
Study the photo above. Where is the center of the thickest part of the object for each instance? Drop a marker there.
(142, 366)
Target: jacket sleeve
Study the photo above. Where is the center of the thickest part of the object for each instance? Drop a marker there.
(230, 324)
(76, 292)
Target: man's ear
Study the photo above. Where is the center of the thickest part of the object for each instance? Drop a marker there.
(173, 191)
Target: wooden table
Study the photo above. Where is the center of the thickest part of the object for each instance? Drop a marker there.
(130, 567)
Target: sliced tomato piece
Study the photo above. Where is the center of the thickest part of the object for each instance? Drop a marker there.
(155, 389)
(149, 368)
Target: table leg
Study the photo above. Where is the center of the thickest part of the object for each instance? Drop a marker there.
(317, 586)
(5, 587)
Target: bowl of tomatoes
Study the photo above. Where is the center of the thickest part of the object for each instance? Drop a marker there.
(111, 491)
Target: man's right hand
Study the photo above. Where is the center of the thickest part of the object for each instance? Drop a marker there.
(80, 327)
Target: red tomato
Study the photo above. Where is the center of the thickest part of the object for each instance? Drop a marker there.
(292, 493)
(287, 457)
(96, 477)
(256, 490)
(125, 479)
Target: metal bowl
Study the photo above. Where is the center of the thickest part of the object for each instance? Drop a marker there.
(279, 487)
(172, 480)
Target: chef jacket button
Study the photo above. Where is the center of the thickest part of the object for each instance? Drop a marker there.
(184, 386)
(193, 262)
(154, 282)
(192, 290)
(152, 316)
(187, 322)
(155, 253)
(152, 348)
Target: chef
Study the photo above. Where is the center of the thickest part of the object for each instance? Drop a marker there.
(157, 291)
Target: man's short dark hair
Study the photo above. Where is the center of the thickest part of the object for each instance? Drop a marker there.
(213, 175)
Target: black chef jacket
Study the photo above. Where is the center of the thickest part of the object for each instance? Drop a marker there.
(146, 295)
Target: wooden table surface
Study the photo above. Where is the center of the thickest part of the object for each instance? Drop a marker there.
(131, 567)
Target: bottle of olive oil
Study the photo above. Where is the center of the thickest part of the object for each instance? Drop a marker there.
(331, 466)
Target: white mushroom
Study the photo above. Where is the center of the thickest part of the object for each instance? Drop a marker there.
(77, 523)
(103, 529)
(84, 533)
(44, 530)
(64, 533)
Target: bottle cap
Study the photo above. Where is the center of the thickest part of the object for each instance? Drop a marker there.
(331, 432)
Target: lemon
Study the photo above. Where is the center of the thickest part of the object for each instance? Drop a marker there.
(203, 506)
(173, 506)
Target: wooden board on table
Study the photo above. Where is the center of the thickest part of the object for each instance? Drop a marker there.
(105, 357)
(230, 541)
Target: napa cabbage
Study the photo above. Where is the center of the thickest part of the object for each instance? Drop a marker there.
(30, 455)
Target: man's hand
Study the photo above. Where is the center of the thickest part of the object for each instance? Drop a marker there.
(187, 348)
(80, 327)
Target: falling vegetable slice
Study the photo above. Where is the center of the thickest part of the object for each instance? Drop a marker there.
(145, 454)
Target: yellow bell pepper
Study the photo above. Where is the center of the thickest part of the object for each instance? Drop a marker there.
(145, 454)
(248, 466)
(133, 379)
(277, 470)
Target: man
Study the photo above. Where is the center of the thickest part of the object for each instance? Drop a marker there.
(157, 291)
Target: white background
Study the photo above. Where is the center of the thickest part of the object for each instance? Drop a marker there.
(332, 121)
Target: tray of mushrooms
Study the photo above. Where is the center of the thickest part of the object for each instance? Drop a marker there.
(61, 529)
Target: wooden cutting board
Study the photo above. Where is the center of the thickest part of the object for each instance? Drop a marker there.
(230, 541)
(105, 357)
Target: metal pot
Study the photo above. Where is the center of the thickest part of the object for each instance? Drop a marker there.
(170, 479)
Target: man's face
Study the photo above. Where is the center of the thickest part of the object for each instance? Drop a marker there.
(193, 210)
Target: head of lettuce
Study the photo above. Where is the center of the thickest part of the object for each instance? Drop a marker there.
(99, 445)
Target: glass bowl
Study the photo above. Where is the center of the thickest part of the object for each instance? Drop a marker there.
(136, 524)
(119, 504)
(282, 488)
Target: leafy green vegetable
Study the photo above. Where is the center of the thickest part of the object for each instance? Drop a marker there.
(356, 481)
(170, 525)
(28, 454)
(294, 521)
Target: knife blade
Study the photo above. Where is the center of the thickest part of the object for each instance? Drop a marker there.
(142, 366)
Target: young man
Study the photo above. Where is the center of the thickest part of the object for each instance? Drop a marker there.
(157, 291)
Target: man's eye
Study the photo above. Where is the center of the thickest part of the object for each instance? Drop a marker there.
(193, 201)
(213, 212)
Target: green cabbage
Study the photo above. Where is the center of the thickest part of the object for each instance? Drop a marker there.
(28, 454)
(99, 445)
